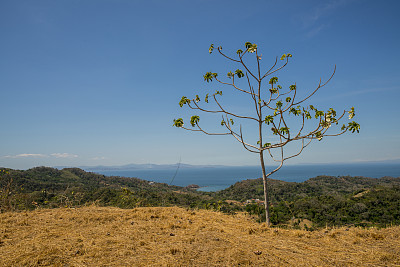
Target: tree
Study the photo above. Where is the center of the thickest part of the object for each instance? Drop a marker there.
(6, 191)
(274, 108)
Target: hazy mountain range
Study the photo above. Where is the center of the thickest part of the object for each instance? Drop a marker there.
(151, 166)
(148, 166)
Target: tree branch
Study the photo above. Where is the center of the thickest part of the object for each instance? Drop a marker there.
(269, 73)
(229, 113)
(233, 84)
(201, 130)
(319, 86)
(301, 150)
(244, 65)
(236, 136)
(219, 50)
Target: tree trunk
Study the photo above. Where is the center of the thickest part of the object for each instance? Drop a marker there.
(266, 201)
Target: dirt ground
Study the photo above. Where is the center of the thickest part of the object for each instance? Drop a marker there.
(95, 236)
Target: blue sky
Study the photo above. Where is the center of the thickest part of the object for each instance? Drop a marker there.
(97, 82)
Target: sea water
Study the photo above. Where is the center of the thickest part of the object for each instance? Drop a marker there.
(218, 178)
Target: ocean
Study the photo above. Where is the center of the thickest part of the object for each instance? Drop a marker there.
(218, 178)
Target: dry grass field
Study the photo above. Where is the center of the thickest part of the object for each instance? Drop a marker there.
(94, 236)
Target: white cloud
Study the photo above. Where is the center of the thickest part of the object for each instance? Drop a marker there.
(99, 158)
(312, 20)
(322, 10)
(64, 155)
(55, 155)
(26, 156)
(316, 30)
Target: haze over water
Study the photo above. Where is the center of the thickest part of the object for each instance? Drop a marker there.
(218, 178)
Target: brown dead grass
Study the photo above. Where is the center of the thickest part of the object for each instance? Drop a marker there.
(94, 236)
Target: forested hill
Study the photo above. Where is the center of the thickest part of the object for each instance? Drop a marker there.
(289, 191)
(324, 200)
(49, 187)
(51, 179)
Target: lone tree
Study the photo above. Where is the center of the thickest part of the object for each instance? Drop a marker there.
(274, 108)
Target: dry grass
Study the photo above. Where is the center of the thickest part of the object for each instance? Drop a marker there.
(94, 236)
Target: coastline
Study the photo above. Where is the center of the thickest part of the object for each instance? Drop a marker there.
(218, 178)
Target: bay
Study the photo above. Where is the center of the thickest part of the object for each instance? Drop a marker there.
(218, 178)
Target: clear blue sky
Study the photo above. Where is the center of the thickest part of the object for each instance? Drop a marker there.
(97, 82)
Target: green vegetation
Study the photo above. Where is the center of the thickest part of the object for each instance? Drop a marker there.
(323, 201)
(49, 188)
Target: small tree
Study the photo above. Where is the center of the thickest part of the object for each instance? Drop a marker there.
(274, 107)
(6, 191)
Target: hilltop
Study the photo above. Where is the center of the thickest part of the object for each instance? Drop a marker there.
(172, 236)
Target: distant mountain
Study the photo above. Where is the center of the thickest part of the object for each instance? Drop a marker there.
(151, 166)
(147, 166)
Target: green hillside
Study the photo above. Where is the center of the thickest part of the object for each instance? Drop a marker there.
(321, 201)
(48, 188)
(289, 191)
(325, 200)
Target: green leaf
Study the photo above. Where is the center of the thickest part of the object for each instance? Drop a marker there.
(273, 90)
(197, 99)
(288, 99)
(292, 87)
(274, 131)
(178, 123)
(279, 104)
(269, 119)
(267, 144)
(248, 45)
(252, 48)
(239, 73)
(289, 55)
(222, 123)
(206, 98)
(295, 111)
(210, 50)
(230, 74)
(184, 100)
(318, 135)
(351, 113)
(318, 113)
(283, 56)
(354, 126)
(239, 51)
(194, 120)
(331, 113)
(273, 80)
(325, 124)
(208, 77)
(231, 121)
(218, 92)
(284, 130)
